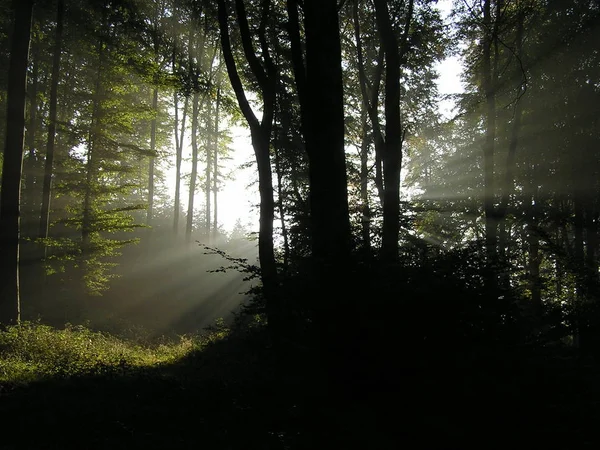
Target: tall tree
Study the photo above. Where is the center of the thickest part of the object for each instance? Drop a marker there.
(215, 168)
(194, 169)
(10, 308)
(489, 27)
(49, 161)
(392, 153)
(320, 90)
(265, 74)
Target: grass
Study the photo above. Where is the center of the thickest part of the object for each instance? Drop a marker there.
(32, 352)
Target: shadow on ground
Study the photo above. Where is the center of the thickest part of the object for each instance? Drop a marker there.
(236, 395)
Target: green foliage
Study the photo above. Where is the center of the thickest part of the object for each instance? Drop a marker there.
(31, 351)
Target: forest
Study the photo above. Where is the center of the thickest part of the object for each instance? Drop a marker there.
(422, 266)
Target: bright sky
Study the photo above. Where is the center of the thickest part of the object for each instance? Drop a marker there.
(237, 197)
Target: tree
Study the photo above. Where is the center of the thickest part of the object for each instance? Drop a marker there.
(13, 163)
(49, 160)
(320, 91)
(265, 74)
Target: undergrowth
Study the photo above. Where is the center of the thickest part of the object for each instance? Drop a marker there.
(32, 351)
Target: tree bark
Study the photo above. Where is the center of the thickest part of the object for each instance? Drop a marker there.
(324, 135)
(208, 172)
(216, 167)
(487, 78)
(261, 135)
(178, 160)
(194, 172)
(49, 162)
(392, 152)
(150, 214)
(508, 187)
(10, 307)
(30, 163)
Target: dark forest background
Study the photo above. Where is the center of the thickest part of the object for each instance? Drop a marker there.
(417, 278)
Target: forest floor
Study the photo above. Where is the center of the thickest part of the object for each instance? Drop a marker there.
(78, 389)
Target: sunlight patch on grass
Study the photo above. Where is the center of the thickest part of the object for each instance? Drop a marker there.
(31, 352)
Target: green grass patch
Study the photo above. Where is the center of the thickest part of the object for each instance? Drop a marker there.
(32, 352)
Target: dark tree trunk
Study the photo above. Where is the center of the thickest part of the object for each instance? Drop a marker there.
(392, 152)
(216, 166)
(533, 241)
(364, 185)
(487, 77)
(49, 162)
(208, 172)
(281, 210)
(364, 151)
(508, 187)
(10, 308)
(261, 135)
(29, 195)
(324, 134)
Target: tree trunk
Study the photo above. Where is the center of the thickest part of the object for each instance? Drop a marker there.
(364, 150)
(364, 185)
(392, 151)
(488, 86)
(194, 172)
(508, 188)
(87, 218)
(216, 166)
(178, 160)
(533, 241)
(261, 135)
(49, 162)
(284, 233)
(150, 215)
(10, 308)
(30, 163)
(324, 135)
(208, 172)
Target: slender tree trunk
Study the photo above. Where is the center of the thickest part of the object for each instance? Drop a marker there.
(578, 254)
(364, 184)
(364, 150)
(488, 148)
(261, 134)
(392, 153)
(29, 194)
(266, 251)
(87, 217)
(208, 172)
(533, 241)
(284, 232)
(178, 160)
(89, 194)
(150, 214)
(216, 167)
(49, 162)
(508, 188)
(194, 172)
(558, 261)
(591, 243)
(10, 307)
